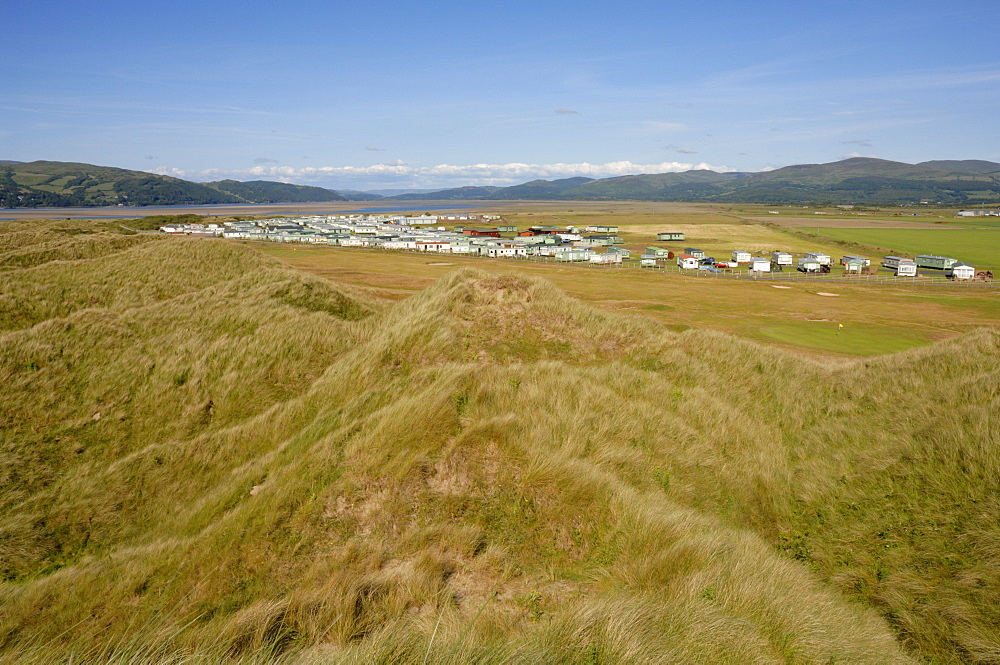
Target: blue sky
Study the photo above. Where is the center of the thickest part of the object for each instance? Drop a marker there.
(402, 94)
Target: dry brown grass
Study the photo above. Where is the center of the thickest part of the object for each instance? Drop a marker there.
(486, 471)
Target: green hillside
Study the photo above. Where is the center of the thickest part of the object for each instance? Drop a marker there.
(857, 180)
(263, 191)
(686, 186)
(207, 456)
(969, 165)
(47, 184)
(457, 193)
(43, 184)
(541, 189)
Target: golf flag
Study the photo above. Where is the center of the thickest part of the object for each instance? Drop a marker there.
(840, 325)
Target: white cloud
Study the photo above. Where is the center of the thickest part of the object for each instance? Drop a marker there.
(440, 175)
(656, 126)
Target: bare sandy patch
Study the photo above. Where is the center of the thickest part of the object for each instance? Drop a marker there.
(776, 286)
(824, 293)
(439, 263)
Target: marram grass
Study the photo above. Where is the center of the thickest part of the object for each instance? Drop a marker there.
(208, 457)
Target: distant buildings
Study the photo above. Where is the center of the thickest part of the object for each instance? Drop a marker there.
(418, 233)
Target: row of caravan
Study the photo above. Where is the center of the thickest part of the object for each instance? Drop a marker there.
(908, 267)
(817, 262)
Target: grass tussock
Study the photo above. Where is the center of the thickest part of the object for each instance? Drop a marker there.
(213, 458)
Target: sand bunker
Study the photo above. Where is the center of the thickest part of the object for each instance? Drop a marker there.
(775, 286)
(823, 293)
(438, 263)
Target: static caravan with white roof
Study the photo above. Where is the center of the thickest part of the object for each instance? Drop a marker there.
(962, 271)
(741, 256)
(575, 254)
(606, 259)
(760, 264)
(807, 264)
(824, 259)
(847, 258)
(894, 261)
(906, 268)
(781, 258)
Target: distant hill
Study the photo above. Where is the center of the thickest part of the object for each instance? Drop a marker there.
(458, 193)
(71, 184)
(45, 183)
(863, 180)
(685, 186)
(967, 165)
(263, 191)
(356, 195)
(543, 188)
(856, 180)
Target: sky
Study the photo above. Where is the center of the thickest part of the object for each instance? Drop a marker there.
(407, 95)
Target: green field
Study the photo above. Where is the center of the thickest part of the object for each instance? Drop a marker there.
(862, 340)
(978, 246)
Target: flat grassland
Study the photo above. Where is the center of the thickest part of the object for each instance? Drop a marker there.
(977, 246)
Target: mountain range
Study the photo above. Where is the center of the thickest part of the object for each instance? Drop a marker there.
(861, 180)
(855, 180)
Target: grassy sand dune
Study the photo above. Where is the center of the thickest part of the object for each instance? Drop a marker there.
(226, 459)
